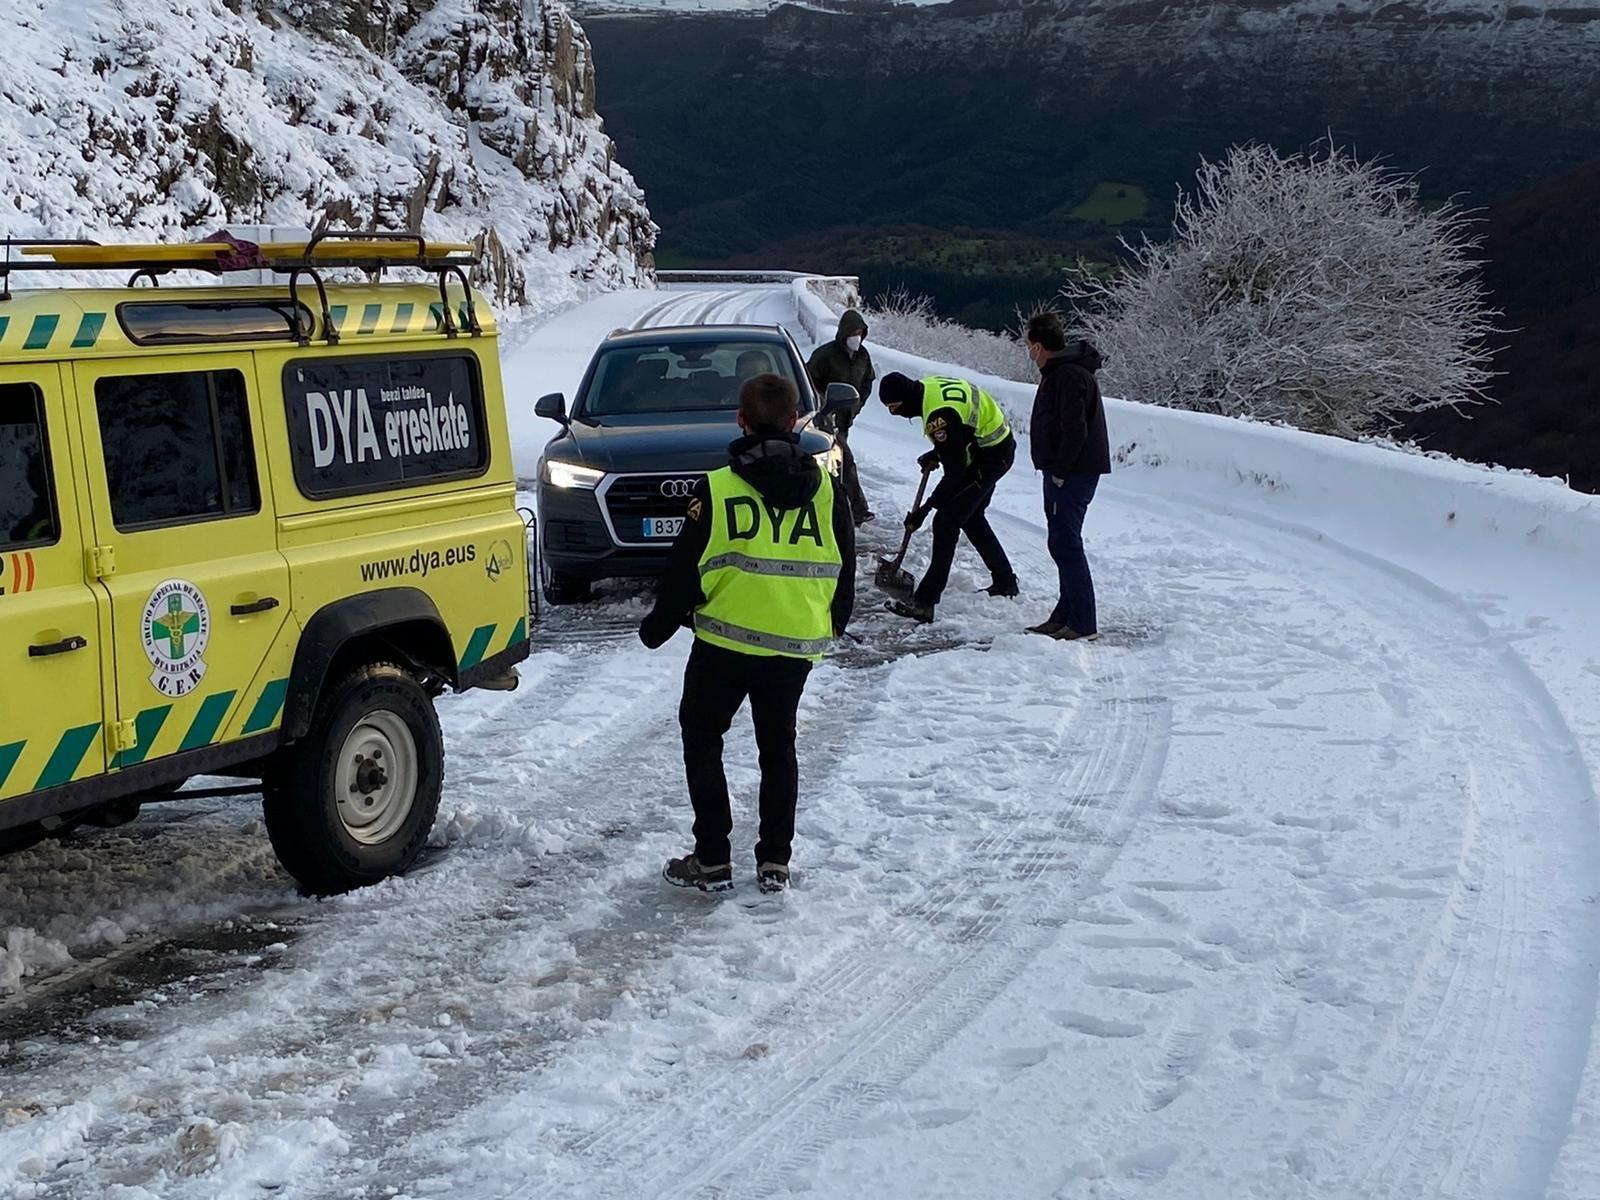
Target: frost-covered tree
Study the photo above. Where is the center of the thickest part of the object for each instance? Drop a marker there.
(1313, 290)
(910, 323)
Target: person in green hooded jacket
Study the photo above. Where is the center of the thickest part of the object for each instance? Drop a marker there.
(845, 360)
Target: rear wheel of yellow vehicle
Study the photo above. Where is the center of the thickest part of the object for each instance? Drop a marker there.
(353, 801)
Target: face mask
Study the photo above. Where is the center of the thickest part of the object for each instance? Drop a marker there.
(853, 342)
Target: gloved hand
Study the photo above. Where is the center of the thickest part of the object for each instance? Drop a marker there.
(916, 517)
(656, 633)
(928, 461)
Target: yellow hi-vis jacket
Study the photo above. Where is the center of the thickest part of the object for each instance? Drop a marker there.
(768, 574)
(978, 410)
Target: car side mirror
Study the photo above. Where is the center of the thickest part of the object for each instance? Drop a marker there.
(552, 407)
(840, 397)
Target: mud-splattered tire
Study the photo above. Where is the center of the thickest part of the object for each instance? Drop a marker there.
(353, 802)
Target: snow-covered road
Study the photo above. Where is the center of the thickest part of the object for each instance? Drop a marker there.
(1285, 888)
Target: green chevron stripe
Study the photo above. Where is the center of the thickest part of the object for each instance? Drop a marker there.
(88, 331)
(476, 647)
(336, 316)
(268, 705)
(402, 318)
(436, 314)
(369, 318)
(203, 729)
(146, 726)
(44, 328)
(9, 754)
(519, 633)
(5, 323)
(67, 756)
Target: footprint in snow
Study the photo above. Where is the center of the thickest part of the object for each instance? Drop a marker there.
(1100, 1027)
(1020, 1058)
(1150, 985)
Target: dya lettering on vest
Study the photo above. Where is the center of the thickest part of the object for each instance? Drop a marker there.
(807, 525)
(744, 521)
(732, 507)
(775, 515)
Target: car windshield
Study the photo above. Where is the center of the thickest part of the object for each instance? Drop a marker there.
(687, 376)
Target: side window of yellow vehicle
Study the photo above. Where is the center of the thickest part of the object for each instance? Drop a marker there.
(178, 448)
(27, 497)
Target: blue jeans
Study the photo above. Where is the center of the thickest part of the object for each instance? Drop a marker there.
(1065, 506)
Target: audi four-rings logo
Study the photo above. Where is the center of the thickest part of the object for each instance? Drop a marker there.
(677, 488)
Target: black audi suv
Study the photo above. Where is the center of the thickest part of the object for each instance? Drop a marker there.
(655, 412)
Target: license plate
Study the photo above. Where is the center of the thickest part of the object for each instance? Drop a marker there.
(662, 527)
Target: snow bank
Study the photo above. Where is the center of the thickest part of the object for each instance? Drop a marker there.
(1349, 489)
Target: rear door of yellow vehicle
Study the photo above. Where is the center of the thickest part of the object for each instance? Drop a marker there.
(186, 537)
(50, 637)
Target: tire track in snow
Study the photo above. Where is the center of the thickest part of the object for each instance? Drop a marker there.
(384, 934)
(905, 1012)
(1474, 1083)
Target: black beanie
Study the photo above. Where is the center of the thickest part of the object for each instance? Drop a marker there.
(895, 388)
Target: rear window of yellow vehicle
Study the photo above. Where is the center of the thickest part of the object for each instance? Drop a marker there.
(373, 424)
(27, 501)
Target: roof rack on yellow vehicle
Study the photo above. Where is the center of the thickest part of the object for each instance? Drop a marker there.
(370, 250)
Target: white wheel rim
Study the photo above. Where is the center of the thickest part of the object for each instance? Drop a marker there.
(377, 777)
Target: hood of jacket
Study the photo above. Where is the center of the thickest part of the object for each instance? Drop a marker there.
(1079, 353)
(850, 324)
(777, 467)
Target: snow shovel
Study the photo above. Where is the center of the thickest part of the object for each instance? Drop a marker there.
(891, 576)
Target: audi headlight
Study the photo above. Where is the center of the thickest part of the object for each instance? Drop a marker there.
(831, 460)
(571, 475)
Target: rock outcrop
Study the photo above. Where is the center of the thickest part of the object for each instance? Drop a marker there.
(468, 119)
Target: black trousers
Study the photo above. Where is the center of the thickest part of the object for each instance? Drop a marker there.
(851, 477)
(965, 512)
(715, 685)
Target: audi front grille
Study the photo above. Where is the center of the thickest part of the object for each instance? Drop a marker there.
(630, 499)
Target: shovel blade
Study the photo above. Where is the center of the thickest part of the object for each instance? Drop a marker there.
(893, 578)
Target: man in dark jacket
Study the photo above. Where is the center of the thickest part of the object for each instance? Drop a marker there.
(845, 360)
(763, 571)
(1071, 448)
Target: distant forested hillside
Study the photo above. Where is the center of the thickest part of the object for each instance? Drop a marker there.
(968, 150)
(1543, 268)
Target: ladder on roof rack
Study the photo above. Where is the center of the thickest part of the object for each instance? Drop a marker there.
(371, 250)
(26, 245)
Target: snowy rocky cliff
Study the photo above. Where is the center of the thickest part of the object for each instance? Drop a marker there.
(470, 119)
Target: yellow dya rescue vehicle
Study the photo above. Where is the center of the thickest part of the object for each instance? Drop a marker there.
(251, 531)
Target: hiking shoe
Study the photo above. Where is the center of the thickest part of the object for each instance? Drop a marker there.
(1061, 632)
(917, 611)
(1006, 588)
(689, 871)
(772, 877)
(866, 517)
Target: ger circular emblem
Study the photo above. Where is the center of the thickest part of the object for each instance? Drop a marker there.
(176, 628)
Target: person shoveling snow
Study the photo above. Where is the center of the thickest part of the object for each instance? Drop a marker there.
(974, 446)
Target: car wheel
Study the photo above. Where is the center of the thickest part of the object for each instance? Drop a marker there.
(22, 837)
(353, 802)
(561, 588)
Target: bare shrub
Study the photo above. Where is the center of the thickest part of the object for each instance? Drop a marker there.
(1312, 290)
(908, 323)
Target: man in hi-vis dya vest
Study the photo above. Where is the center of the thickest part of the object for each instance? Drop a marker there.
(974, 446)
(764, 573)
